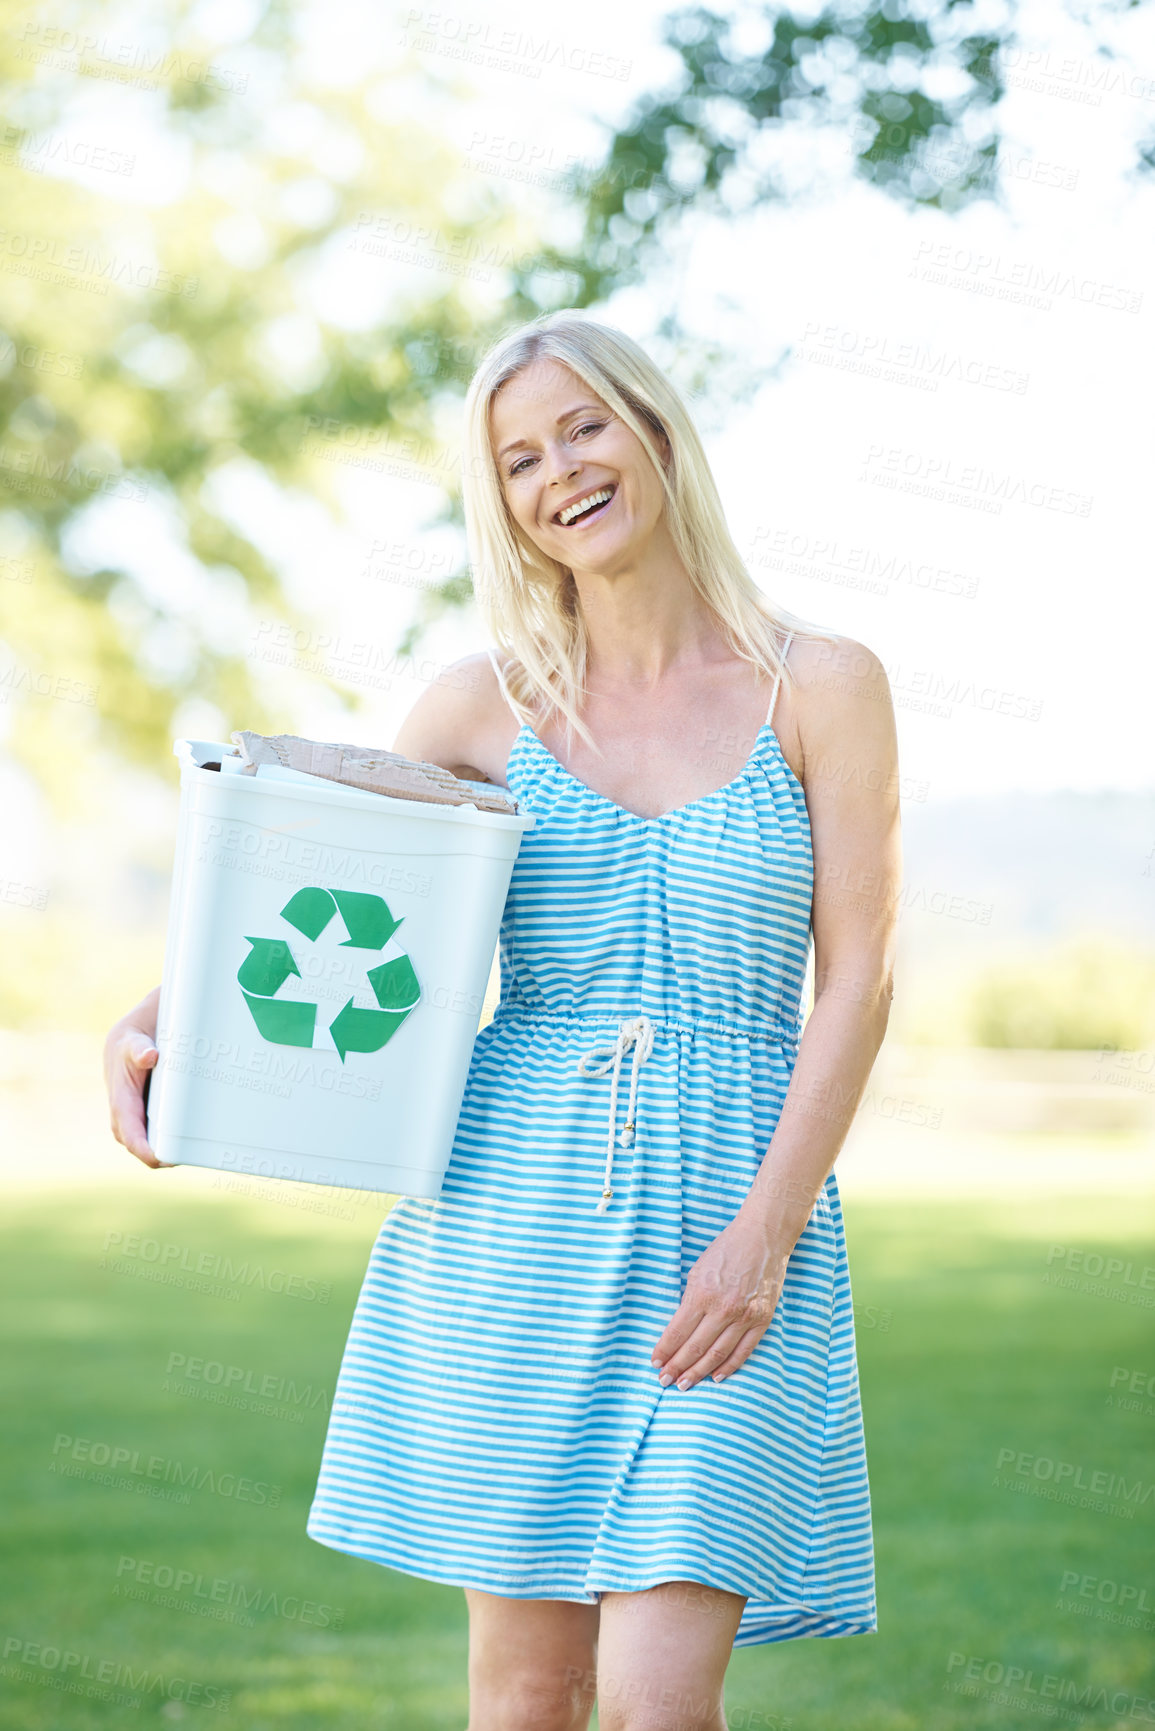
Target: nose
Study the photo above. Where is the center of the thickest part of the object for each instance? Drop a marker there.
(563, 464)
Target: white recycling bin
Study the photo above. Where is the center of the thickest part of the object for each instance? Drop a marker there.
(326, 961)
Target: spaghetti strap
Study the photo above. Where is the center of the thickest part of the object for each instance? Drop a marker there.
(501, 681)
(778, 681)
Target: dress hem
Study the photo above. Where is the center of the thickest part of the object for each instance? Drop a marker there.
(762, 1631)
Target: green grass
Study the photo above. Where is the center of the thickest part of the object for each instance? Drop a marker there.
(980, 1354)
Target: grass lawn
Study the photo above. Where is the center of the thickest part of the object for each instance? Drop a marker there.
(967, 1351)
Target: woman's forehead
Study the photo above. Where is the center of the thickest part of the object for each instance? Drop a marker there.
(539, 392)
(539, 383)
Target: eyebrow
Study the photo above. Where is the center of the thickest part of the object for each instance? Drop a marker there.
(564, 416)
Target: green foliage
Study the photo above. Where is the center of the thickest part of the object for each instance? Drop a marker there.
(147, 349)
(870, 81)
(704, 145)
(1089, 993)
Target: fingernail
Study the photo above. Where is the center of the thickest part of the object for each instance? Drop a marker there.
(665, 1379)
(685, 1382)
(719, 1376)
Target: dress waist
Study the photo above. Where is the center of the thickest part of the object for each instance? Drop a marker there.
(634, 1034)
(733, 1027)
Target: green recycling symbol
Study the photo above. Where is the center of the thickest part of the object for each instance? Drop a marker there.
(288, 1022)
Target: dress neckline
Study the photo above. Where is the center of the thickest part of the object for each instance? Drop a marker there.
(677, 810)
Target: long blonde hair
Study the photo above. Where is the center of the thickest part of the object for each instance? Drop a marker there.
(530, 602)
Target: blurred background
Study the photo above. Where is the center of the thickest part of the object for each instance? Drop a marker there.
(899, 258)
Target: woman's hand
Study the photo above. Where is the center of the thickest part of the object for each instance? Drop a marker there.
(130, 1052)
(729, 1303)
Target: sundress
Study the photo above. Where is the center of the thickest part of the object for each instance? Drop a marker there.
(497, 1422)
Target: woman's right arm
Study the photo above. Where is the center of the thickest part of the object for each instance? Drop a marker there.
(130, 1052)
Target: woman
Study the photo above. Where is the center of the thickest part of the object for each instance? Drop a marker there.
(607, 1381)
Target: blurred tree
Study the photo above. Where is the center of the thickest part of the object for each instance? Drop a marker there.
(147, 350)
(766, 96)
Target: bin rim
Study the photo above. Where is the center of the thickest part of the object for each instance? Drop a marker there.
(185, 751)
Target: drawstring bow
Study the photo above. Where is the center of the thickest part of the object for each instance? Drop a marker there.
(638, 1033)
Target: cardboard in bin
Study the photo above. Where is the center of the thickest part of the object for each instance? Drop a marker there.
(326, 960)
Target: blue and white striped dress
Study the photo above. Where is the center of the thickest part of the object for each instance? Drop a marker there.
(497, 1422)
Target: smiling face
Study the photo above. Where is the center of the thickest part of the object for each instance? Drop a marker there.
(578, 482)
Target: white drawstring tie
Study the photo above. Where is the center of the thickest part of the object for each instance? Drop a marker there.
(640, 1034)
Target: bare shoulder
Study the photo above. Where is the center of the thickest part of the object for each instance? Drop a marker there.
(461, 721)
(840, 702)
(838, 665)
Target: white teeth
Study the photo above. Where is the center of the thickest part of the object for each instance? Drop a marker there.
(583, 505)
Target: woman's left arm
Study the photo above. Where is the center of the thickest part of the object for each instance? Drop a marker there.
(844, 720)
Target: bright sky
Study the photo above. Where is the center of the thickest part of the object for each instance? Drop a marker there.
(948, 459)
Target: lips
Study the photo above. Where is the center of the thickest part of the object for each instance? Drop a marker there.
(588, 516)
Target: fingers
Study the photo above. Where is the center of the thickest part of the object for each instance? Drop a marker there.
(717, 1342)
(677, 1331)
(129, 1062)
(740, 1354)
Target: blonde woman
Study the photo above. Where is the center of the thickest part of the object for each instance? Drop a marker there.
(607, 1382)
